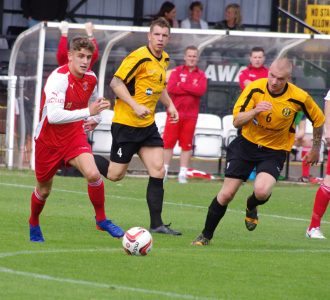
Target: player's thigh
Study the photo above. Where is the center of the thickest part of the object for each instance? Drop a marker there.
(263, 185)
(171, 134)
(153, 160)
(186, 134)
(85, 163)
(229, 189)
(47, 162)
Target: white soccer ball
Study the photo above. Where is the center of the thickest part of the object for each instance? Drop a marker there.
(137, 241)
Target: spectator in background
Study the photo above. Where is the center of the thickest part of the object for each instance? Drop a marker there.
(40, 10)
(186, 85)
(322, 196)
(255, 69)
(195, 20)
(62, 49)
(168, 11)
(232, 19)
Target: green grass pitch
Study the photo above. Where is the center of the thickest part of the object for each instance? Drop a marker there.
(275, 261)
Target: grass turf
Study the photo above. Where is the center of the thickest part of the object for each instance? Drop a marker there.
(275, 261)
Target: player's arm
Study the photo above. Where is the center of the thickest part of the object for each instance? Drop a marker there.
(91, 122)
(122, 93)
(55, 91)
(195, 87)
(318, 119)
(168, 103)
(243, 78)
(174, 84)
(244, 117)
(327, 119)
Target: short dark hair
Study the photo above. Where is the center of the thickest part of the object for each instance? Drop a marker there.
(257, 49)
(81, 42)
(161, 22)
(196, 4)
(166, 7)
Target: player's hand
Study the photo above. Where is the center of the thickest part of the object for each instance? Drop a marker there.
(312, 157)
(141, 111)
(98, 105)
(263, 106)
(90, 124)
(173, 114)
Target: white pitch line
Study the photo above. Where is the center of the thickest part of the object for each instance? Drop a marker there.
(165, 202)
(85, 282)
(100, 285)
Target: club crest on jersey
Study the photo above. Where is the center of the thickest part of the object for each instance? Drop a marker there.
(286, 112)
(85, 85)
(149, 91)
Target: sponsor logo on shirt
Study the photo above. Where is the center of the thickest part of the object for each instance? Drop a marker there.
(286, 112)
(85, 86)
(149, 91)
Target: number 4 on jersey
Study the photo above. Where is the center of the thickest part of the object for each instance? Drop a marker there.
(120, 154)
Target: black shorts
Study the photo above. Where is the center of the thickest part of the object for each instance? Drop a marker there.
(128, 140)
(243, 156)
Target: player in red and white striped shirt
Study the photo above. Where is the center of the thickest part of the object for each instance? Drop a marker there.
(69, 108)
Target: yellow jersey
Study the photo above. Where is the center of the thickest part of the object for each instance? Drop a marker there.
(145, 78)
(275, 128)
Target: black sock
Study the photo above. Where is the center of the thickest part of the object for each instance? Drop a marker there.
(102, 164)
(252, 202)
(214, 215)
(155, 196)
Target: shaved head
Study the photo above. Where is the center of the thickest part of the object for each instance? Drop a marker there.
(279, 74)
(283, 64)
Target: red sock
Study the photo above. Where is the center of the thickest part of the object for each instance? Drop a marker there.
(320, 205)
(304, 167)
(37, 205)
(96, 195)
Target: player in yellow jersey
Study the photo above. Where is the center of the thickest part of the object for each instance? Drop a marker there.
(265, 110)
(139, 83)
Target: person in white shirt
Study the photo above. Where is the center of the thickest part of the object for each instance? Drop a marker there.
(195, 20)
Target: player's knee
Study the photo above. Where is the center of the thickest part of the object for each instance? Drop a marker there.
(92, 175)
(115, 177)
(44, 192)
(158, 171)
(226, 196)
(261, 193)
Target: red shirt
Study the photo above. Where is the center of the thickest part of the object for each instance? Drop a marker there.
(65, 98)
(62, 52)
(186, 89)
(252, 73)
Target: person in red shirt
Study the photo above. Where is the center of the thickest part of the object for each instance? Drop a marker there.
(255, 69)
(62, 49)
(186, 85)
(69, 107)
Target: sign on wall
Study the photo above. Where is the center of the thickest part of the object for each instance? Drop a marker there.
(318, 16)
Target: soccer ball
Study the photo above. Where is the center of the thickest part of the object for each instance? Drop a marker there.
(137, 241)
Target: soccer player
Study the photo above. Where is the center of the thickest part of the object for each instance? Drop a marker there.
(186, 85)
(139, 83)
(65, 115)
(265, 110)
(322, 196)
